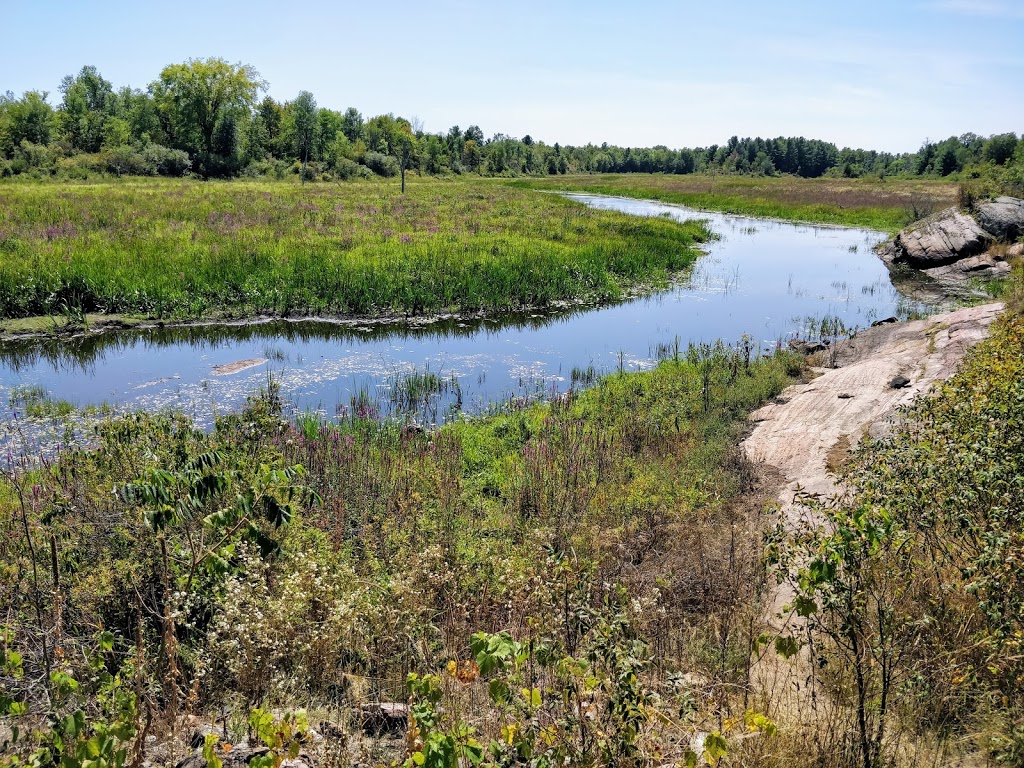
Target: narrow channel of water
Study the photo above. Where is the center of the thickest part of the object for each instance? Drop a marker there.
(771, 280)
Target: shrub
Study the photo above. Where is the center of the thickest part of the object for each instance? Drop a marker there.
(80, 166)
(33, 157)
(126, 161)
(266, 168)
(164, 161)
(382, 165)
(349, 169)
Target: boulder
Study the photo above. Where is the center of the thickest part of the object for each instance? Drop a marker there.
(1003, 218)
(941, 239)
(384, 717)
(986, 265)
(806, 347)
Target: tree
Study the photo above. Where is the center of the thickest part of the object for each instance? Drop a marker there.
(224, 160)
(139, 109)
(1000, 148)
(89, 101)
(407, 146)
(471, 154)
(328, 127)
(116, 133)
(272, 115)
(946, 161)
(30, 119)
(304, 115)
(352, 124)
(195, 96)
(433, 154)
(255, 140)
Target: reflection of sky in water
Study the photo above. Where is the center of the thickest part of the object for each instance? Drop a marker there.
(767, 279)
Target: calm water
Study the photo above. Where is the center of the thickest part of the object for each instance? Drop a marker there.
(764, 278)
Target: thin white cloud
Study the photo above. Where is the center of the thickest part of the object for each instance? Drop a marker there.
(989, 8)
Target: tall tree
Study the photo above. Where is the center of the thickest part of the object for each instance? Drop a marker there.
(195, 96)
(89, 101)
(304, 114)
(352, 124)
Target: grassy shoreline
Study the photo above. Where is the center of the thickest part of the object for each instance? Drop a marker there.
(883, 205)
(185, 249)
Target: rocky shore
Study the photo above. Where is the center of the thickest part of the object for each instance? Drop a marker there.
(955, 245)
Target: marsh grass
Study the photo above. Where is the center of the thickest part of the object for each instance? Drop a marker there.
(871, 203)
(418, 393)
(183, 248)
(36, 403)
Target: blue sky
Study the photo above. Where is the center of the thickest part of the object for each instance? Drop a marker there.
(883, 75)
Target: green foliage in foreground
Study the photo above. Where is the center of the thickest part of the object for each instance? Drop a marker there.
(914, 589)
(593, 540)
(188, 249)
(887, 205)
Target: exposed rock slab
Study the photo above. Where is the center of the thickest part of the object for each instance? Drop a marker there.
(987, 265)
(941, 239)
(804, 430)
(1003, 218)
(795, 433)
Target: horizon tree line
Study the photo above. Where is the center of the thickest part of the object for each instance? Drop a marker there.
(214, 119)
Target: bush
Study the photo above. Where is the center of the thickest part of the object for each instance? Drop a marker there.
(126, 161)
(382, 165)
(34, 157)
(80, 166)
(164, 161)
(266, 168)
(346, 170)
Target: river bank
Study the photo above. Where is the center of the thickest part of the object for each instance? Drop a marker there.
(804, 440)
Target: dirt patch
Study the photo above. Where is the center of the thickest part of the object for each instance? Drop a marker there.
(838, 454)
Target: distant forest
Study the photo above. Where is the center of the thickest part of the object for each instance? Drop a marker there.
(207, 118)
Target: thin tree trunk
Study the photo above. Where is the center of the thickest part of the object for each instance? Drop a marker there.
(57, 601)
(35, 581)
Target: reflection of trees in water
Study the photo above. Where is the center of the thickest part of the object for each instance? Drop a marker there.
(81, 354)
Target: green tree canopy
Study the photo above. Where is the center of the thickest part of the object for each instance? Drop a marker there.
(304, 114)
(195, 96)
(88, 101)
(29, 118)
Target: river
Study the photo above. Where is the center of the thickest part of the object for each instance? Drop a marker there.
(769, 280)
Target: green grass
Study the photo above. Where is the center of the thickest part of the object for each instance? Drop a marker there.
(887, 205)
(184, 248)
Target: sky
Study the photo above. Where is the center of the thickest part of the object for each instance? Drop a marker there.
(877, 74)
